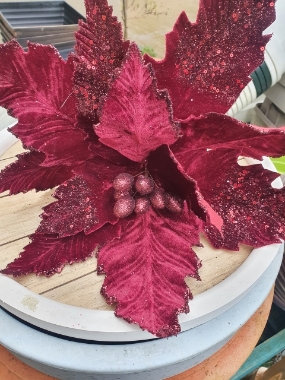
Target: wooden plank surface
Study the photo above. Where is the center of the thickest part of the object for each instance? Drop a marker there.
(11, 153)
(78, 284)
(149, 20)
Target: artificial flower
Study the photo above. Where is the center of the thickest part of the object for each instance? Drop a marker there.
(143, 156)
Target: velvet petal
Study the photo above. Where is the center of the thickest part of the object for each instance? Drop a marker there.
(100, 49)
(242, 196)
(208, 63)
(168, 174)
(85, 202)
(26, 174)
(36, 87)
(107, 153)
(47, 254)
(136, 118)
(214, 131)
(146, 267)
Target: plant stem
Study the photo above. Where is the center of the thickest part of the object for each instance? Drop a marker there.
(124, 16)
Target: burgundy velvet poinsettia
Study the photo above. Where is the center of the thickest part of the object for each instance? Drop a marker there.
(142, 154)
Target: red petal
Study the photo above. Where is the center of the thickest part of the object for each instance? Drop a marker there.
(208, 63)
(242, 196)
(27, 174)
(145, 270)
(36, 87)
(136, 118)
(100, 49)
(96, 147)
(214, 131)
(47, 254)
(169, 175)
(85, 202)
(108, 154)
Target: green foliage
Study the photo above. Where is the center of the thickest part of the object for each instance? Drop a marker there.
(279, 164)
(148, 50)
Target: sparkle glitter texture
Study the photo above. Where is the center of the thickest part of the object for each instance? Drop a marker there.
(144, 185)
(120, 194)
(157, 199)
(124, 206)
(202, 55)
(142, 205)
(123, 182)
(100, 49)
(173, 203)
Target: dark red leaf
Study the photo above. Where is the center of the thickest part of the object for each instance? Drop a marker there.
(37, 89)
(208, 152)
(26, 174)
(214, 131)
(146, 267)
(100, 49)
(47, 254)
(208, 63)
(171, 177)
(242, 196)
(136, 118)
(85, 202)
(107, 153)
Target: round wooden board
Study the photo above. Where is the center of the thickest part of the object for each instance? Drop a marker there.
(78, 284)
(70, 303)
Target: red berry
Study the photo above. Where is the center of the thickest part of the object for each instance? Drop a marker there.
(157, 199)
(142, 205)
(119, 194)
(144, 185)
(124, 206)
(123, 182)
(173, 203)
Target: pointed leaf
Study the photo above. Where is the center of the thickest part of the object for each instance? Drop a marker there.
(36, 87)
(47, 254)
(208, 152)
(26, 174)
(208, 63)
(145, 270)
(170, 176)
(136, 118)
(242, 196)
(100, 49)
(86, 202)
(214, 131)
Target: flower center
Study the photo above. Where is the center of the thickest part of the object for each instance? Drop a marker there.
(139, 194)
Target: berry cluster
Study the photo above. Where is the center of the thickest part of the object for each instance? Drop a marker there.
(139, 194)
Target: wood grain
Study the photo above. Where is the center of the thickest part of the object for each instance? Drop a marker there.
(79, 284)
(148, 21)
(11, 153)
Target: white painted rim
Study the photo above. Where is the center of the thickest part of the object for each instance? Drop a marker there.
(102, 325)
